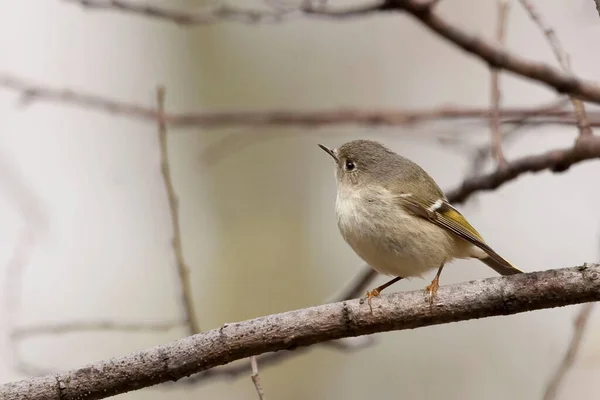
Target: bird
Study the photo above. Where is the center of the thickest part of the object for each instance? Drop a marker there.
(397, 219)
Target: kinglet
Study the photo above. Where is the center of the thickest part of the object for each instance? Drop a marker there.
(397, 219)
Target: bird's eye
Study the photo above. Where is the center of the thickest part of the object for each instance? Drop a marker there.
(350, 166)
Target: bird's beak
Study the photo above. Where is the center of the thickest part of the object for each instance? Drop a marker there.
(329, 151)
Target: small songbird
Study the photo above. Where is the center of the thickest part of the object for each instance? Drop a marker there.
(397, 219)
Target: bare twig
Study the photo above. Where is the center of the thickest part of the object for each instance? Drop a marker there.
(256, 378)
(182, 269)
(504, 295)
(497, 152)
(21, 333)
(359, 284)
(207, 15)
(579, 327)
(12, 291)
(344, 116)
(481, 153)
(563, 60)
(586, 148)
(24, 332)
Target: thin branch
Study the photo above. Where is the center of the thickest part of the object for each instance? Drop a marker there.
(481, 153)
(563, 60)
(359, 284)
(24, 332)
(182, 269)
(497, 152)
(587, 148)
(13, 289)
(579, 326)
(222, 119)
(256, 378)
(505, 295)
(207, 15)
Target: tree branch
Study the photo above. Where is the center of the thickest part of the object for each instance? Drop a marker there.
(187, 303)
(206, 15)
(587, 148)
(221, 119)
(497, 152)
(256, 378)
(24, 332)
(286, 331)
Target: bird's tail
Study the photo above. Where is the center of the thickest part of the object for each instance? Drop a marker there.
(500, 265)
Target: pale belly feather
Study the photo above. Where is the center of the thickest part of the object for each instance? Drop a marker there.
(391, 241)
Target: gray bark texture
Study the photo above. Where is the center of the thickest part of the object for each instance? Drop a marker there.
(286, 331)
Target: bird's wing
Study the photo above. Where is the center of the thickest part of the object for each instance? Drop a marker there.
(443, 214)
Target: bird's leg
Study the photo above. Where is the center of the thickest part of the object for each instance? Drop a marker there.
(377, 291)
(435, 284)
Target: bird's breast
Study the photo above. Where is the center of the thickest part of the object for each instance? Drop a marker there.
(365, 209)
(385, 236)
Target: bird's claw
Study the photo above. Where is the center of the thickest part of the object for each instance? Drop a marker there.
(370, 295)
(432, 289)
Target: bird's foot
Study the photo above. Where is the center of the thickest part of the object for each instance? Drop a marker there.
(370, 294)
(432, 289)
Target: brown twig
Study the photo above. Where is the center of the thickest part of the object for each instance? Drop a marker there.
(256, 378)
(12, 291)
(579, 327)
(505, 295)
(582, 120)
(21, 333)
(182, 269)
(587, 148)
(359, 284)
(207, 15)
(481, 153)
(223, 119)
(24, 332)
(497, 152)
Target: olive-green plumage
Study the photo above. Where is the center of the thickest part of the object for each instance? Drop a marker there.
(397, 219)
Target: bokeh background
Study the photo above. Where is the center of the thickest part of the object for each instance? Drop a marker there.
(83, 206)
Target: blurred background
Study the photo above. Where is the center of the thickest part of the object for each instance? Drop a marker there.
(86, 230)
